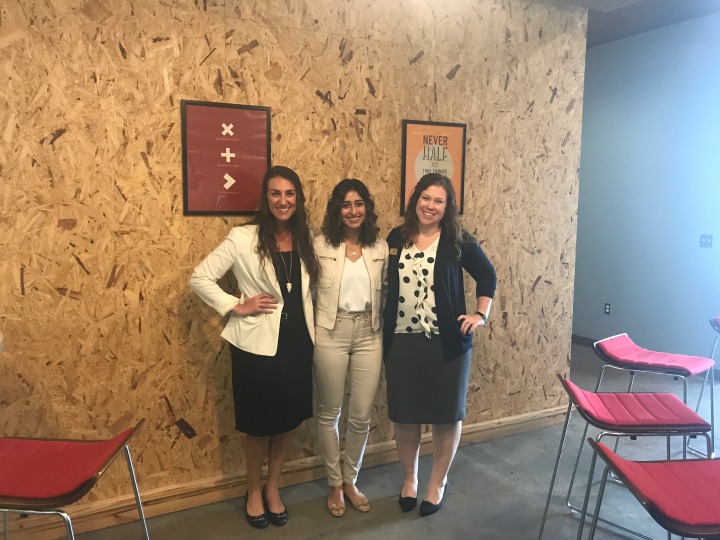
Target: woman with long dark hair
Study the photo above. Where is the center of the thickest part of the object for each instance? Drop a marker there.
(349, 304)
(428, 331)
(270, 331)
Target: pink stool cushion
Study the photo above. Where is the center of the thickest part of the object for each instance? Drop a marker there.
(635, 410)
(621, 350)
(41, 469)
(683, 491)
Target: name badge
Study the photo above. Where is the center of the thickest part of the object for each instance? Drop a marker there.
(393, 251)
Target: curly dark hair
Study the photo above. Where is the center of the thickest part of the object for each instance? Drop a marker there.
(452, 231)
(332, 227)
(298, 223)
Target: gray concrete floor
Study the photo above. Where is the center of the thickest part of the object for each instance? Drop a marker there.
(497, 490)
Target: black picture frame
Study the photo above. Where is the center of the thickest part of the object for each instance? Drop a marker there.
(445, 141)
(223, 182)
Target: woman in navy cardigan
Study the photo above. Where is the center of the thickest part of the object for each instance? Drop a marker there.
(428, 331)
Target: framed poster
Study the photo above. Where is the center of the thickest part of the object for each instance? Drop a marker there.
(226, 152)
(432, 147)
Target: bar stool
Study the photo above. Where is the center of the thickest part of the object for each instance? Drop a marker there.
(623, 414)
(40, 476)
(681, 496)
(620, 352)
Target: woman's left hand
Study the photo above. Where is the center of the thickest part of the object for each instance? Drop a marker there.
(470, 322)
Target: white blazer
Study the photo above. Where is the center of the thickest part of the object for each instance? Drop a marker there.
(257, 334)
(332, 261)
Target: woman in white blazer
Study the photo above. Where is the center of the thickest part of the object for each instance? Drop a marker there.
(270, 331)
(348, 333)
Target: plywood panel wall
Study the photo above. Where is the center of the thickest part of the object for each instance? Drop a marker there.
(101, 328)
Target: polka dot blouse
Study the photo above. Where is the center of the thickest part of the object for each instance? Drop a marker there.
(416, 305)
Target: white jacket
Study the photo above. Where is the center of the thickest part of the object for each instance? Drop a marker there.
(332, 261)
(257, 334)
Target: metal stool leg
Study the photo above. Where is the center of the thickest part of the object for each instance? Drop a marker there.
(712, 409)
(583, 515)
(575, 468)
(709, 379)
(603, 483)
(555, 470)
(63, 515)
(143, 523)
(68, 524)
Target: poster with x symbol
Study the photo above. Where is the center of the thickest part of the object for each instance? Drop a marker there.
(226, 151)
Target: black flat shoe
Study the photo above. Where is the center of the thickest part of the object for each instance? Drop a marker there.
(259, 522)
(278, 519)
(428, 508)
(407, 503)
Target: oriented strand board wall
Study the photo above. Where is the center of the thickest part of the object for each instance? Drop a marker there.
(100, 326)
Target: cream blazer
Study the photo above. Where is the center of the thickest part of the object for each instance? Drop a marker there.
(257, 334)
(332, 261)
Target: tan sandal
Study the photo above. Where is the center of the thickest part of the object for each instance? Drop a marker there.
(335, 509)
(361, 504)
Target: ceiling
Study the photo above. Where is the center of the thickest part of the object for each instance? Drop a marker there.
(610, 20)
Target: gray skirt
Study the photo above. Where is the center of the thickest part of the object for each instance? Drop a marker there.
(422, 387)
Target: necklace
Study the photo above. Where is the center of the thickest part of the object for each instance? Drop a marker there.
(288, 285)
(353, 249)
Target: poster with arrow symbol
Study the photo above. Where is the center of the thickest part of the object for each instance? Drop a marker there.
(226, 151)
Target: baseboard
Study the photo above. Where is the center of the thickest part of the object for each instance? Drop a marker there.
(580, 340)
(109, 512)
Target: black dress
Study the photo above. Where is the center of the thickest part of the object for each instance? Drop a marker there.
(273, 394)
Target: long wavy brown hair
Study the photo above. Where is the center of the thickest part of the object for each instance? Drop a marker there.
(298, 223)
(332, 226)
(452, 232)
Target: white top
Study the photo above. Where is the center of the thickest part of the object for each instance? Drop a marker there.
(416, 305)
(332, 263)
(354, 286)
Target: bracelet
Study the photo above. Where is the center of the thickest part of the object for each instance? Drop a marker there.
(484, 317)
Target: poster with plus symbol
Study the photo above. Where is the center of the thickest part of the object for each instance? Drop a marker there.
(226, 151)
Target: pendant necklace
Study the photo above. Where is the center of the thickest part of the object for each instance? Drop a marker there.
(288, 285)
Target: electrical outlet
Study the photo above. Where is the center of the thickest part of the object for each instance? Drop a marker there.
(607, 309)
(706, 240)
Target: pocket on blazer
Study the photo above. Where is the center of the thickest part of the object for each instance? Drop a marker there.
(324, 283)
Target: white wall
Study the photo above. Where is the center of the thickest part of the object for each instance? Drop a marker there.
(649, 187)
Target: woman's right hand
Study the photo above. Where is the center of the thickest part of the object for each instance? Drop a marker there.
(262, 303)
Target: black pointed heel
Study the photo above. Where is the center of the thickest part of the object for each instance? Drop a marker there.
(276, 518)
(407, 503)
(428, 508)
(258, 522)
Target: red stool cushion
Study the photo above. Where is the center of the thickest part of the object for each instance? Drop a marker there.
(621, 350)
(41, 469)
(635, 410)
(684, 491)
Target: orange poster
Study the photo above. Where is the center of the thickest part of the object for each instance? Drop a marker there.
(432, 147)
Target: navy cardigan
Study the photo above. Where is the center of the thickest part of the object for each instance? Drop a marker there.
(449, 290)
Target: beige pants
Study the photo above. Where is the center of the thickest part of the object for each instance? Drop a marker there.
(352, 345)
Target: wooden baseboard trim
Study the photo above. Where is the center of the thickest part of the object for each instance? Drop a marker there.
(119, 510)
